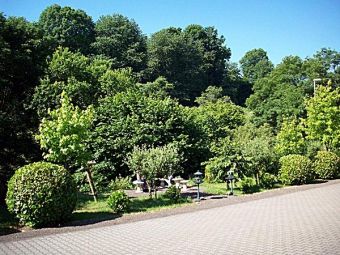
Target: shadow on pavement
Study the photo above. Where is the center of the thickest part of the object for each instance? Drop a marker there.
(87, 218)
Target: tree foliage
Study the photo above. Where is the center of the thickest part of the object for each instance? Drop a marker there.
(290, 139)
(255, 65)
(121, 40)
(67, 27)
(279, 95)
(131, 119)
(323, 117)
(21, 63)
(65, 136)
(83, 79)
(155, 162)
(191, 59)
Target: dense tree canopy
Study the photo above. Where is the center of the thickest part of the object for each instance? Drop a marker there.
(131, 119)
(121, 40)
(191, 59)
(83, 79)
(255, 65)
(21, 64)
(280, 94)
(67, 27)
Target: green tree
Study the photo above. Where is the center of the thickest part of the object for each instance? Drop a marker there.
(121, 40)
(130, 119)
(83, 79)
(280, 94)
(21, 64)
(179, 59)
(211, 95)
(323, 117)
(67, 27)
(256, 145)
(215, 52)
(255, 65)
(290, 139)
(155, 162)
(218, 119)
(64, 137)
(235, 86)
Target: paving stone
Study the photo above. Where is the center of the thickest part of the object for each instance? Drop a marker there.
(305, 222)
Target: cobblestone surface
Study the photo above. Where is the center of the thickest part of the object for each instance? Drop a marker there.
(304, 222)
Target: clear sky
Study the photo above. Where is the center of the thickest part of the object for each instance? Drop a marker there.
(281, 27)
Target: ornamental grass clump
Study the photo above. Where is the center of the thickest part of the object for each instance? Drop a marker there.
(41, 194)
(296, 169)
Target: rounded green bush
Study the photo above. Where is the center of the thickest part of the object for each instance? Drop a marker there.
(41, 194)
(326, 164)
(118, 201)
(248, 185)
(296, 169)
(268, 180)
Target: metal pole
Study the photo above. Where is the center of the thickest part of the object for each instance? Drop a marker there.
(198, 191)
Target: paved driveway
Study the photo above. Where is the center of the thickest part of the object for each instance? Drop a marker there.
(304, 222)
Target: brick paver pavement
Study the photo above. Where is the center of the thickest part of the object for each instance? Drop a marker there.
(305, 222)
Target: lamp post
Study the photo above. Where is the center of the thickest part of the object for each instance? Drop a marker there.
(198, 180)
(230, 179)
(314, 83)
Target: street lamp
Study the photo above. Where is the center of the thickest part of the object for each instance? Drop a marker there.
(230, 179)
(314, 83)
(198, 181)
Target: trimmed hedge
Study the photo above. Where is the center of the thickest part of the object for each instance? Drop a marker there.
(41, 194)
(327, 164)
(296, 169)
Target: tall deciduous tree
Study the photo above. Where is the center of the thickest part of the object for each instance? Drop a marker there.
(255, 65)
(21, 63)
(323, 117)
(215, 52)
(131, 119)
(67, 27)
(192, 59)
(280, 94)
(290, 139)
(65, 135)
(121, 39)
(83, 79)
(179, 59)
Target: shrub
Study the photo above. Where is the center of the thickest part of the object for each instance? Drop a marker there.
(118, 201)
(248, 185)
(121, 183)
(296, 169)
(268, 180)
(41, 194)
(173, 193)
(326, 164)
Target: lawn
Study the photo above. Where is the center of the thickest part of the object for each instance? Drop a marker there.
(87, 208)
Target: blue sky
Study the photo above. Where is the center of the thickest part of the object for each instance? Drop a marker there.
(282, 28)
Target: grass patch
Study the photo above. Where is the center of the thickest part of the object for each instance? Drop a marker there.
(88, 209)
(218, 189)
(145, 204)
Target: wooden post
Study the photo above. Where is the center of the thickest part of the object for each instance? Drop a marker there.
(90, 180)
